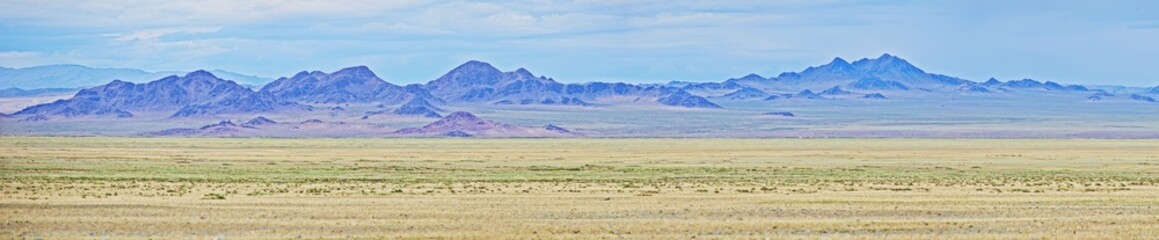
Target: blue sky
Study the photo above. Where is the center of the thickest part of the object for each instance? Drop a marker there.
(411, 41)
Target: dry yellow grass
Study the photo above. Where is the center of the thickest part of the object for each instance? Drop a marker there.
(88, 188)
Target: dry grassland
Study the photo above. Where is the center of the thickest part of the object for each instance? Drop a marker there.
(95, 188)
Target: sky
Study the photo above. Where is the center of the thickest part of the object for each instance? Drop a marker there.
(415, 41)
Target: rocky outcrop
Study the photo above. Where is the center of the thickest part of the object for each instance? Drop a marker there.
(807, 94)
(877, 96)
(779, 114)
(417, 106)
(835, 90)
(34, 118)
(554, 128)
(258, 121)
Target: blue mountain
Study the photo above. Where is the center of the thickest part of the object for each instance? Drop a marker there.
(684, 99)
(807, 94)
(476, 81)
(352, 84)
(886, 72)
(196, 93)
(1024, 83)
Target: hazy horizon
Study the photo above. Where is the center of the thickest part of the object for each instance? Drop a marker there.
(406, 42)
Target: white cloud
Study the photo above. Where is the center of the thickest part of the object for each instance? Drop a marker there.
(149, 35)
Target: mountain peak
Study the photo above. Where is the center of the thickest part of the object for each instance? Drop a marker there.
(887, 59)
(473, 69)
(356, 70)
(200, 74)
(524, 74)
(475, 65)
(992, 82)
(470, 80)
(837, 61)
(752, 77)
(362, 73)
(890, 65)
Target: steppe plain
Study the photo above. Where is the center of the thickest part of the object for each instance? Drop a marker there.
(241, 188)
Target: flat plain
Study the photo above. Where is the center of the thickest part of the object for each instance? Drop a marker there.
(230, 188)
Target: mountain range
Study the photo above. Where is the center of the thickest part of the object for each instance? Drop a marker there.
(357, 91)
(195, 94)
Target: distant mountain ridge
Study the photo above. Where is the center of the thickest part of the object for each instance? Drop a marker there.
(202, 93)
(78, 76)
(886, 72)
(19, 92)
